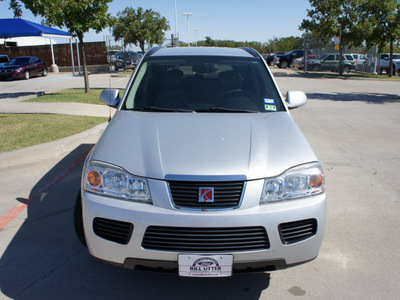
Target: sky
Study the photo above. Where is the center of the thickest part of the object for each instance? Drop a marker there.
(238, 20)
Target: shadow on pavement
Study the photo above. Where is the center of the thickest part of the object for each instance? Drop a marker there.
(46, 261)
(372, 98)
(21, 94)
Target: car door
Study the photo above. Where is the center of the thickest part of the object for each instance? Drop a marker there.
(31, 67)
(328, 63)
(37, 66)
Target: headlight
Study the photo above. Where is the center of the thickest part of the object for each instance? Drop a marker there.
(298, 182)
(109, 180)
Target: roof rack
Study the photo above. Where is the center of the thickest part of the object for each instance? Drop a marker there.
(250, 51)
(152, 51)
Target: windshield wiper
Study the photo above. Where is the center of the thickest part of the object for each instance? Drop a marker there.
(161, 109)
(227, 110)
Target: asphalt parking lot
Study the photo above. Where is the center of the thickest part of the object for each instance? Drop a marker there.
(353, 126)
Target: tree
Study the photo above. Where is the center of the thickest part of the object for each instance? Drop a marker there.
(383, 19)
(78, 16)
(284, 44)
(335, 18)
(140, 27)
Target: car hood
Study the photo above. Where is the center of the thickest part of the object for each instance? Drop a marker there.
(203, 145)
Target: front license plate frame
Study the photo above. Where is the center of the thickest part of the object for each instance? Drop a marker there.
(194, 265)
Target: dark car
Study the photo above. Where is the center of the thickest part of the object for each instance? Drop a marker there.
(285, 60)
(126, 60)
(3, 59)
(23, 67)
(270, 59)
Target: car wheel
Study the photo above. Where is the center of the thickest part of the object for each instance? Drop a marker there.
(346, 69)
(284, 64)
(44, 72)
(78, 220)
(27, 75)
(317, 68)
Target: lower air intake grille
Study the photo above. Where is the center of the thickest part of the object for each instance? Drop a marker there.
(116, 231)
(294, 232)
(180, 239)
(227, 194)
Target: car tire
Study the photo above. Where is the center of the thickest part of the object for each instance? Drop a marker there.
(284, 64)
(346, 69)
(44, 72)
(78, 220)
(317, 68)
(27, 75)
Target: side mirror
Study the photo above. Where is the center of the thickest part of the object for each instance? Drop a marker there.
(110, 97)
(295, 99)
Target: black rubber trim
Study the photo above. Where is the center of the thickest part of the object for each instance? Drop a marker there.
(251, 51)
(152, 51)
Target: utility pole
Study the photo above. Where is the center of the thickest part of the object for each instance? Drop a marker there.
(195, 35)
(187, 15)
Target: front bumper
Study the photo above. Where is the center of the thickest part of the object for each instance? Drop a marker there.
(10, 75)
(132, 254)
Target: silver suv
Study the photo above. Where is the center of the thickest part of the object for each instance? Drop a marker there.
(202, 171)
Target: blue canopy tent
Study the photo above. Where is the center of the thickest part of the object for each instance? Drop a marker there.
(10, 28)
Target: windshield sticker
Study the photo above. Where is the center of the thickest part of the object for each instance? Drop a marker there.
(270, 107)
(269, 101)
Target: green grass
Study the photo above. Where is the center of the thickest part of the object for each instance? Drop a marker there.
(24, 130)
(126, 73)
(71, 95)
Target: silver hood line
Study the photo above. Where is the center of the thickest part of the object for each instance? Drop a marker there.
(203, 146)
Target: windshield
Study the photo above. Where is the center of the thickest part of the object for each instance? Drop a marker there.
(20, 61)
(131, 55)
(203, 84)
(396, 56)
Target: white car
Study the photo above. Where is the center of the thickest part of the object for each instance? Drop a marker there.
(202, 171)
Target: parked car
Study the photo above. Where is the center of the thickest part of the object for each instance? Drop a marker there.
(3, 59)
(384, 61)
(111, 56)
(23, 67)
(360, 59)
(299, 62)
(330, 62)
(270, 59)
(285, 60)
(126, 60)
(202, 171)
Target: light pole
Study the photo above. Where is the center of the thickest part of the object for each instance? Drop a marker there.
(188, 15)
(176, 22)
(195, 35)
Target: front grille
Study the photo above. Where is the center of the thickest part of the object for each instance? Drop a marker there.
(227, 194)
(112, 230)
(183, 239)
(294, 232)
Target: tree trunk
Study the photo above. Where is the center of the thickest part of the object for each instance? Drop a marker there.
(141, 46)
(340, 58)
(85, 72)
(391, 59)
